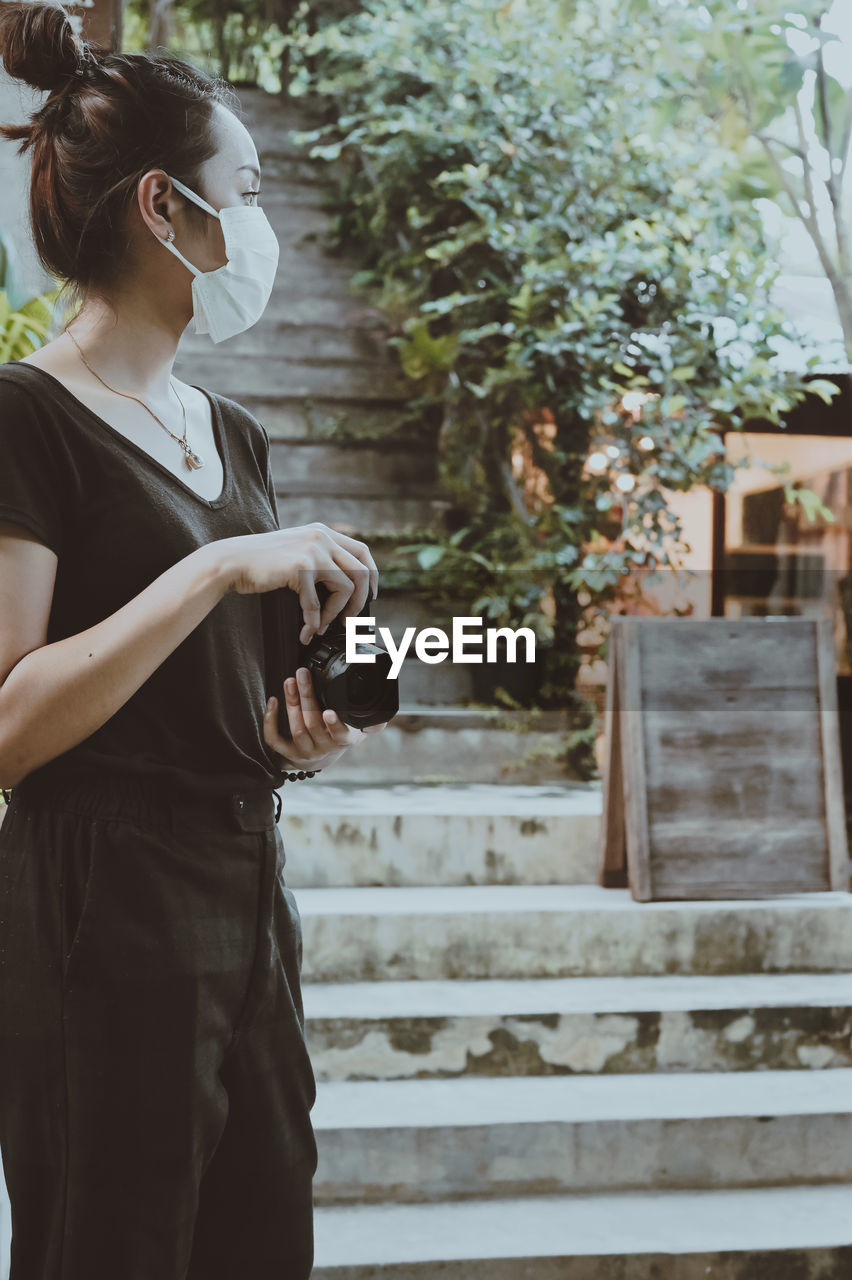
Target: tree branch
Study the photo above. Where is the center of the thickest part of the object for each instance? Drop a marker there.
(832, 185)
(809, 219)
(822, 94)
(807, 175)
(846, 139)
(779, 142)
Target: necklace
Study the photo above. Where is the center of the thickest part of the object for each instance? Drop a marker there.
(192, 459)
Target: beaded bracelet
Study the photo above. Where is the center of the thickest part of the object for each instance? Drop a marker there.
(302, 773)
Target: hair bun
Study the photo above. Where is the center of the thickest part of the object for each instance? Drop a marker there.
(38, 43)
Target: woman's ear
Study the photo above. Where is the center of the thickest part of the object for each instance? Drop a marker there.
(158, 202)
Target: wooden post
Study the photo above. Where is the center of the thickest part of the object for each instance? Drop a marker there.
(100, 22)
(612, 848)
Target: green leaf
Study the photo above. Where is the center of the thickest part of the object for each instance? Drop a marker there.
(810, 502)
(430, 556)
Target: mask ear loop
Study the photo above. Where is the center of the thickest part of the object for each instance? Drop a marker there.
(191, 195)
(196, 199)
(196, 271)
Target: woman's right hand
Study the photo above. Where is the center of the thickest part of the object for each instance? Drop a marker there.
(299, 558)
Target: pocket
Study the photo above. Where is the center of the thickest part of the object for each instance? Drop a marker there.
(78, 867)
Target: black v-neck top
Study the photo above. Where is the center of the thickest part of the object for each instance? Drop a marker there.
(117, 518)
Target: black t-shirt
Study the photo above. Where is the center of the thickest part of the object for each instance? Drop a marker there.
(117, 518)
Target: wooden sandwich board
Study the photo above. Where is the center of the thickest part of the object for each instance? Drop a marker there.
(722, 776)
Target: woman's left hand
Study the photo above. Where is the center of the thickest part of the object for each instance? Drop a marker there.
(319, 737)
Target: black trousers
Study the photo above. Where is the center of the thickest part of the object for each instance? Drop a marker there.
(155, 1085)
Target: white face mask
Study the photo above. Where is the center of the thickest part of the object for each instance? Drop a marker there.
(233, 297)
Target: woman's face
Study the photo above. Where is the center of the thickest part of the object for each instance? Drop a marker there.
(230, 177)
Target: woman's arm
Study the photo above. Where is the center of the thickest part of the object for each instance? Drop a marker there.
(53, 696)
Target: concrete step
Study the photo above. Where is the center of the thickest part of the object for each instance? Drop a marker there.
(361, 516)
(353, 470)
(562, 1026)
(324, 417)
(560, 931)
(778, 1233)
(429, 742)
(274, 339)
(415, 1140)
(349, 309)
(441, 835)
(233, 374)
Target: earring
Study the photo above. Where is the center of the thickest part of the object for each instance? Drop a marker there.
(170, 237)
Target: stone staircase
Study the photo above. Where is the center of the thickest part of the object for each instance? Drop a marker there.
(524, 1075)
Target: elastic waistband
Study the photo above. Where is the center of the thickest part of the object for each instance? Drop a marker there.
(145, 800)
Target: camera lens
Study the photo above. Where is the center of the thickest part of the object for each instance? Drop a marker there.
(359, 686)
(360, 693)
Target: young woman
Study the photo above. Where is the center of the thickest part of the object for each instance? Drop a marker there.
(155, 1086)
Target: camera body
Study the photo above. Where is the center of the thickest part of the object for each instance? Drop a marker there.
(362, 694)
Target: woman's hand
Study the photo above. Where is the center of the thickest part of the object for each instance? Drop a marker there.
(299, 558)
(319, 737)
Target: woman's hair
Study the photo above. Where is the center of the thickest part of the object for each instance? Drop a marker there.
(108, 119)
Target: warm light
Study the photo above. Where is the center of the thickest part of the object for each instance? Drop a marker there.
(625, 483)
(597, 461)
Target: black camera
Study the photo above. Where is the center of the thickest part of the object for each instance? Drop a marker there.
(361, 694)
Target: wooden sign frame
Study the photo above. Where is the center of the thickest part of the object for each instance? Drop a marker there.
(736, 683)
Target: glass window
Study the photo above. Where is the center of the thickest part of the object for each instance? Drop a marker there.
(781, 558)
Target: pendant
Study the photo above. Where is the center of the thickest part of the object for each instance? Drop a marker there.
(192, 459)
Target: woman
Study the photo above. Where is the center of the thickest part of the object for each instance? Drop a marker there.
(155, 1086)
